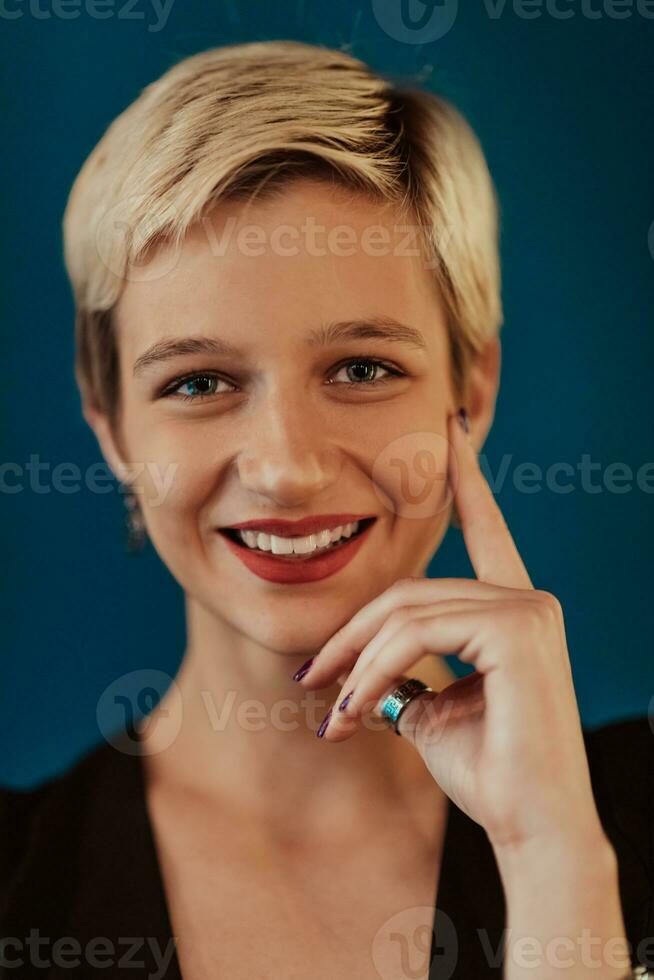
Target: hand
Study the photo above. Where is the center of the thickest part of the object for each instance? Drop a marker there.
(505, 742)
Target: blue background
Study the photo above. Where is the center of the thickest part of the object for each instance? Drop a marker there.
(563, 109)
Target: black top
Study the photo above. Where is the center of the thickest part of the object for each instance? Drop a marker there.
(78, 863)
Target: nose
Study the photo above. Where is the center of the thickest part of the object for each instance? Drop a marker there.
(288, 455)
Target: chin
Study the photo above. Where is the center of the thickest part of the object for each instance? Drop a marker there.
(302, 637)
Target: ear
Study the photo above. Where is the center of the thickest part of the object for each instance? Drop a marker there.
(481, 390)
(109, 443)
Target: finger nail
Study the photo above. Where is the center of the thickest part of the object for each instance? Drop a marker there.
(301, 671)
(464, 420)
(344, 703)
(324, 723)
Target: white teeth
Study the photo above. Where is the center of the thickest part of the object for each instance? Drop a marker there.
(249, 537)
(281, 546)
(323, 538)
(297, 546)
(301, 546)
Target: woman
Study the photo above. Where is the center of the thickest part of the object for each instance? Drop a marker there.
(262, 223)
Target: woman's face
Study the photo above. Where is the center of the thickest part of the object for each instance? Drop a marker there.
(287, 424)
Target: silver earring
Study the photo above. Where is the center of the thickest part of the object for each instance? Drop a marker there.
(136, 534)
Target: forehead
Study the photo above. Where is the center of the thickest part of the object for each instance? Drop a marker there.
(268, 271)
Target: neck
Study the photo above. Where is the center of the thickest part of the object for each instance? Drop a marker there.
(235, 728)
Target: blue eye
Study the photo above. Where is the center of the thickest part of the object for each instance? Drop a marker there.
(201, 385)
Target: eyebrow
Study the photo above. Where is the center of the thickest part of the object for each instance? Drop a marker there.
(370, 328)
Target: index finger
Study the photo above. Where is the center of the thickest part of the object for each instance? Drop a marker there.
(493, 552)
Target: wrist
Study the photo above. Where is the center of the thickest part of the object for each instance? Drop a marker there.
(580, 857)
(563, 902)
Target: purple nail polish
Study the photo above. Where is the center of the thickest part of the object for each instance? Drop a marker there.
(324, 723)
(344, 703)
(301, 671)
(464, 421)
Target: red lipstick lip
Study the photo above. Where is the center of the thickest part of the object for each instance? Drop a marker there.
(294, 571)
(301, 528)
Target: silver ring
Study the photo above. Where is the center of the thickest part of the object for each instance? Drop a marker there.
(395, 702)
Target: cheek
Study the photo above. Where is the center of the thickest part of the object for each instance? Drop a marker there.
(180, 472)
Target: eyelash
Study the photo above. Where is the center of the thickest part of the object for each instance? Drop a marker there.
(171, 389)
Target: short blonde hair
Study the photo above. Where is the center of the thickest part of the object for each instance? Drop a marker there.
(247, 118)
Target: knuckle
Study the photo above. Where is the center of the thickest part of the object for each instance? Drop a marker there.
(537, 615)
(414, 631)
(402, 585)
(531, 620)
(398, 617)
(549, 605)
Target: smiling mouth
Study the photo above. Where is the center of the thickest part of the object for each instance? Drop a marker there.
(308, 546)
